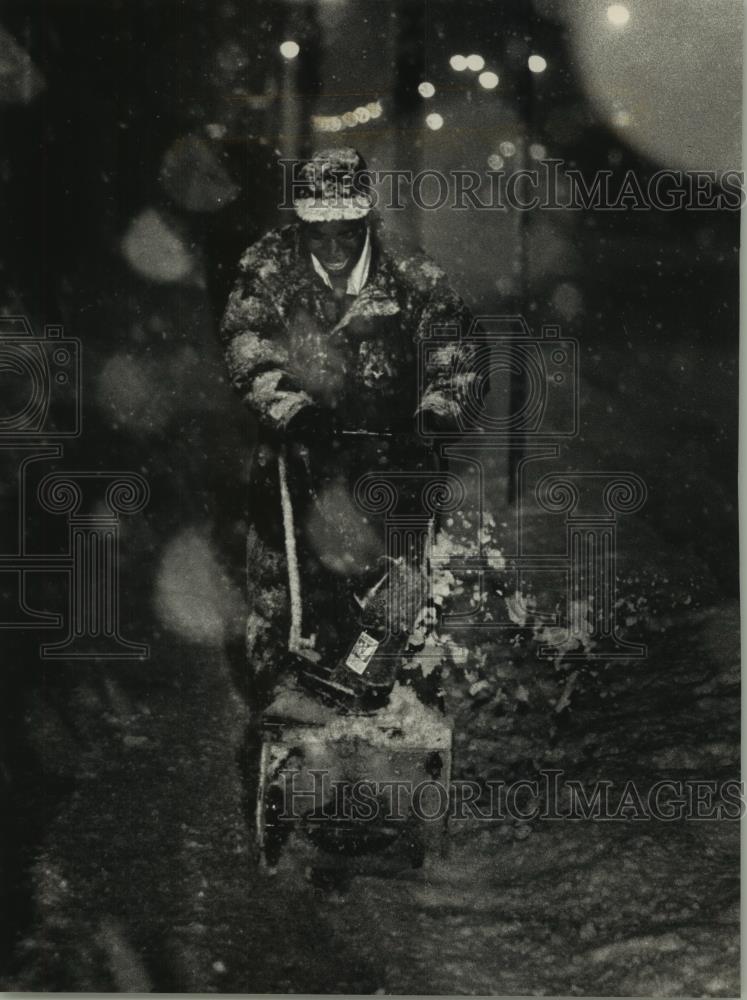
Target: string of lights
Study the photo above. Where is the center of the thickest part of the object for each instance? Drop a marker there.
(618, 16)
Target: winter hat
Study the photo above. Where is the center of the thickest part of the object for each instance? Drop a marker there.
(333, 186)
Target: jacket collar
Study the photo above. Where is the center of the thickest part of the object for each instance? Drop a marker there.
(377, 296)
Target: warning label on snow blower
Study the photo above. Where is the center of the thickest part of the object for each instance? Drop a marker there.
(362, 653)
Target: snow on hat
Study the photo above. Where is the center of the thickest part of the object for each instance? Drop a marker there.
(333, 186)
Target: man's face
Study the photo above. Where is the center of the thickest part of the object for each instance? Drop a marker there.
(336, 245)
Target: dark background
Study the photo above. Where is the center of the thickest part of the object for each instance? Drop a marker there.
(139, 157)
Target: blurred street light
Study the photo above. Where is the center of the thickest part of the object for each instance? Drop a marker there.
(618, 14)
(691, 62)
(289, 49)
(434, 121)
(458, 63)
(426, 89)
(475, 63)
(326, 123)
(537, 64)
(488, 80)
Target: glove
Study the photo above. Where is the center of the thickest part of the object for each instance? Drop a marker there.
(312, 426)
(439, 421)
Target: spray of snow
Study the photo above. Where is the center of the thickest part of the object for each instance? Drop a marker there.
(340, 534)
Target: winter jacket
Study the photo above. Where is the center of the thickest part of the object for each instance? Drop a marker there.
(292, 344)
(287, 346)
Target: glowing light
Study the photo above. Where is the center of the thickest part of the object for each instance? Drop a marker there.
(289, 49)
(537, 64)
(327, 123)
(350, 119)
(475, 63)
(488, 80)
(618, 14)
(495, 162)
(426, 89)
(537, 151)
(458, 63)
(698, 76)
(507, 149)
(434, 121)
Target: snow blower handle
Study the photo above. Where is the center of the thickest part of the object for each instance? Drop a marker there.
(298, 644)
(370, 434)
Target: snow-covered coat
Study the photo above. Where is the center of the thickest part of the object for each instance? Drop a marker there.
(291, 343)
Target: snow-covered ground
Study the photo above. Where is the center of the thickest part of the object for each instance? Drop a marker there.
(146, 879)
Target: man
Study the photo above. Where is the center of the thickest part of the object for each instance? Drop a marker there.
(321, 336)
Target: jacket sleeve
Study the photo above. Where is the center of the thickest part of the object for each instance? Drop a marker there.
(255, 343)
(449, 372)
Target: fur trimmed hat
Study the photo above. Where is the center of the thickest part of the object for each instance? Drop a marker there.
(333, 186)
